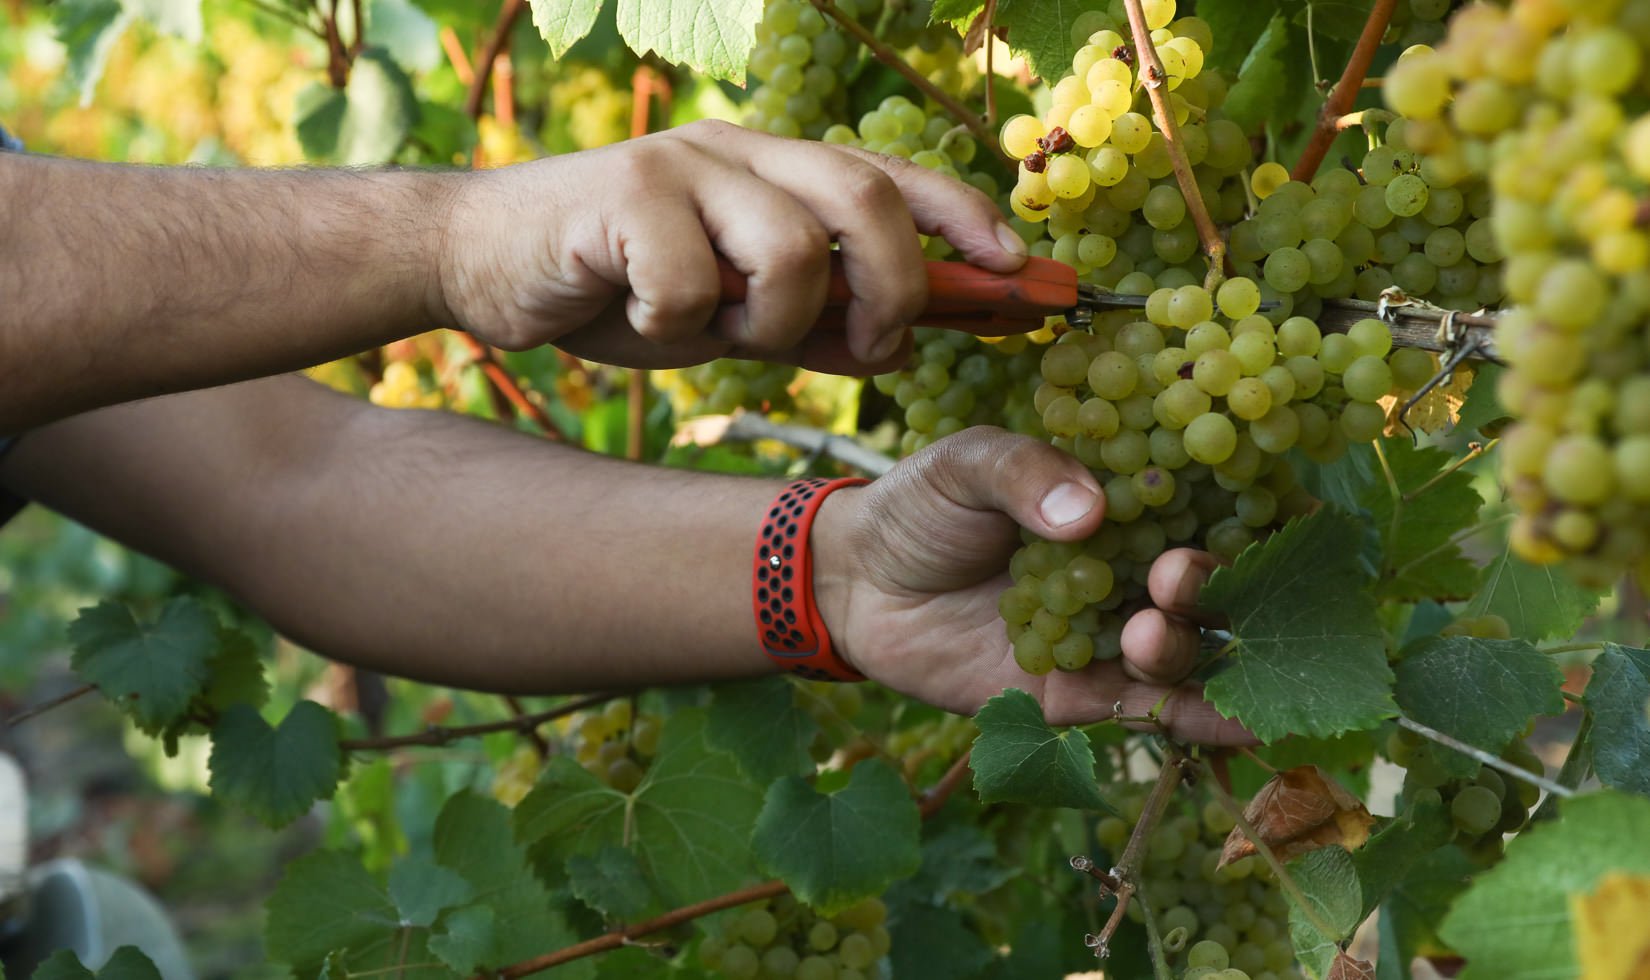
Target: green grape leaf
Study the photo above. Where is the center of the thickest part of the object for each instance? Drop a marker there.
(234, 674)
(1329, 881)
(1018, 758)
(1481, 406)
(1344, 482)
(364, 124)
(1422, 559)
(421, 889)
(179, 18)
(1342, 20)
(404, 30)
(1483, 692)
(710, 36)
(276, 772)
(1617, 694)
(1411, 913)
(326, 902)
(760, 724)
(127, 963)
(613, 883)
(690, 819)
(466, 937)
(1514, 922)
(151, 670)
(88, 30)
(1041, 30)
(1236, 25)
(960, 859)
(836, 849)
(1538, 602)
(959, 13)
(473, 837)
(1311, 653)
(1387, 857)
(1261, 78)
(563, 22)
(935, 942)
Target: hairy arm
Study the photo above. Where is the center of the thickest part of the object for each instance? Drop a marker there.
(124, 282)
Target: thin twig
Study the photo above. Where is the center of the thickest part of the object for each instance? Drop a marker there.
(941, 791)
(1154, 79)
(442, 735)
(711, 430)
(1345, 91)
(455, 54)
(501, 379)
(48, 705)
(1154, 944)
(1285, 880)
(1127, 869)
(496, 43)
(1493, 761)
(531, 733)
(891, 58)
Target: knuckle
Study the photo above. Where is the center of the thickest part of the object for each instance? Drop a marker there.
(870, 190)
(800, 250)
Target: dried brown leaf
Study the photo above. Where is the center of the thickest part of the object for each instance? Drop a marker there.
(1300, 810)
(1347, 968)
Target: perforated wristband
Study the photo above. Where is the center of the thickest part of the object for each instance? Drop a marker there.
(788, 624)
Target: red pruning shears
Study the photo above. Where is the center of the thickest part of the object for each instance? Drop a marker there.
(974, 300)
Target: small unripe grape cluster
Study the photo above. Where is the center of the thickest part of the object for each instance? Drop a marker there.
(401, 388)
(1544, 101)
(1217, 924)
(1184, 418)
(616, 744)
(939, 740)
(798, 64)
(782, 939)
(834, 708)
(1482, 808)
(955, 380)
(723, 386)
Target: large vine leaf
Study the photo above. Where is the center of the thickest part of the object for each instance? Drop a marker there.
(1483, 692)
(1235, 25)
(1417, 903)
(1018, 758)
(1311, 654)
(327, 901)
(562, 23)
(420, 889)
(710, 36)
(88, 29)
(364, 124)
(277, 772)
(759, 724)
(1422, 560)
(127, 963)
(1537, 601)
(691, 817)
(1262, 78)
(835, 849)
(1388, 857)
(612, 882)
(1514, 922)
(151, 670)
(1617, 694)
(1041, 30)
(1328, 881)
(936, 942)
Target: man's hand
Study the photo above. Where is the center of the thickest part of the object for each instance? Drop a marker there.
(908, 572)
(611, 254)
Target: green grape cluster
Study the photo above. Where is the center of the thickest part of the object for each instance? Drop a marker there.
(942, 739)
(1545, 99)
(1184, 417)
(1404, 219)
(616, 744)
(1227, 919)
(1095, 187)
(1483, 808)
(1418, 22)
(726, 385)
(782, 939)
(955, 380)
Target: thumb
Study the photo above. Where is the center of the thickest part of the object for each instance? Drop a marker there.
(956, 211)
(1043, 489)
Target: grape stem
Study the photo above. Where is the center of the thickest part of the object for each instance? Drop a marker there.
(530, 733)
(1345, 91)
(500, 379)
(1285, 880)
(443, 735)
(496, 43)
(888, 56)
(1488, 759)
(932, 800)
(45, 706)
(1126, 873)
(1154, 945)
(1153, 78)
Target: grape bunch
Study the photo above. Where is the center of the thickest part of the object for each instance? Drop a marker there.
(956, 380)
(1544, 100)
(943, 739)
(782, 938)
(400, 387)
(1228, 919)
(1482, 808)
(616, 744)
(723, 386)
(1184, 417)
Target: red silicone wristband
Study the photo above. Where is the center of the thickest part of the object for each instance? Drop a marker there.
(788, 624)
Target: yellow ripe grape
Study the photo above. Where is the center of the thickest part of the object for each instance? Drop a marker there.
(1527, 542)
(1107, 40)
(1059, 115)
(1621, 252)
(1033, 191)
(1267, 178)
(1089, 125)
(1020, 135)
(1108, 70)
(1418, 86)
(1158, 12)
(1069, 91)
(1067, 175)
(1635, 147)
(1113, 97)
(1025, 213)
(1190, 54)
(1131, 132)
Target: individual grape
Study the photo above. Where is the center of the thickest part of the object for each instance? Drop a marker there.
(1475, 810)
(1210, 438)
(1249, 399)
(1367, 379)
(1267, 178)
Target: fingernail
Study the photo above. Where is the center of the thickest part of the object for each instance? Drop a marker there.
(1011, 241)
(1066, 503)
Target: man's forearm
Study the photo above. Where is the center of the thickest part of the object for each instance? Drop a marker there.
(418, 543)
(123, 282)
